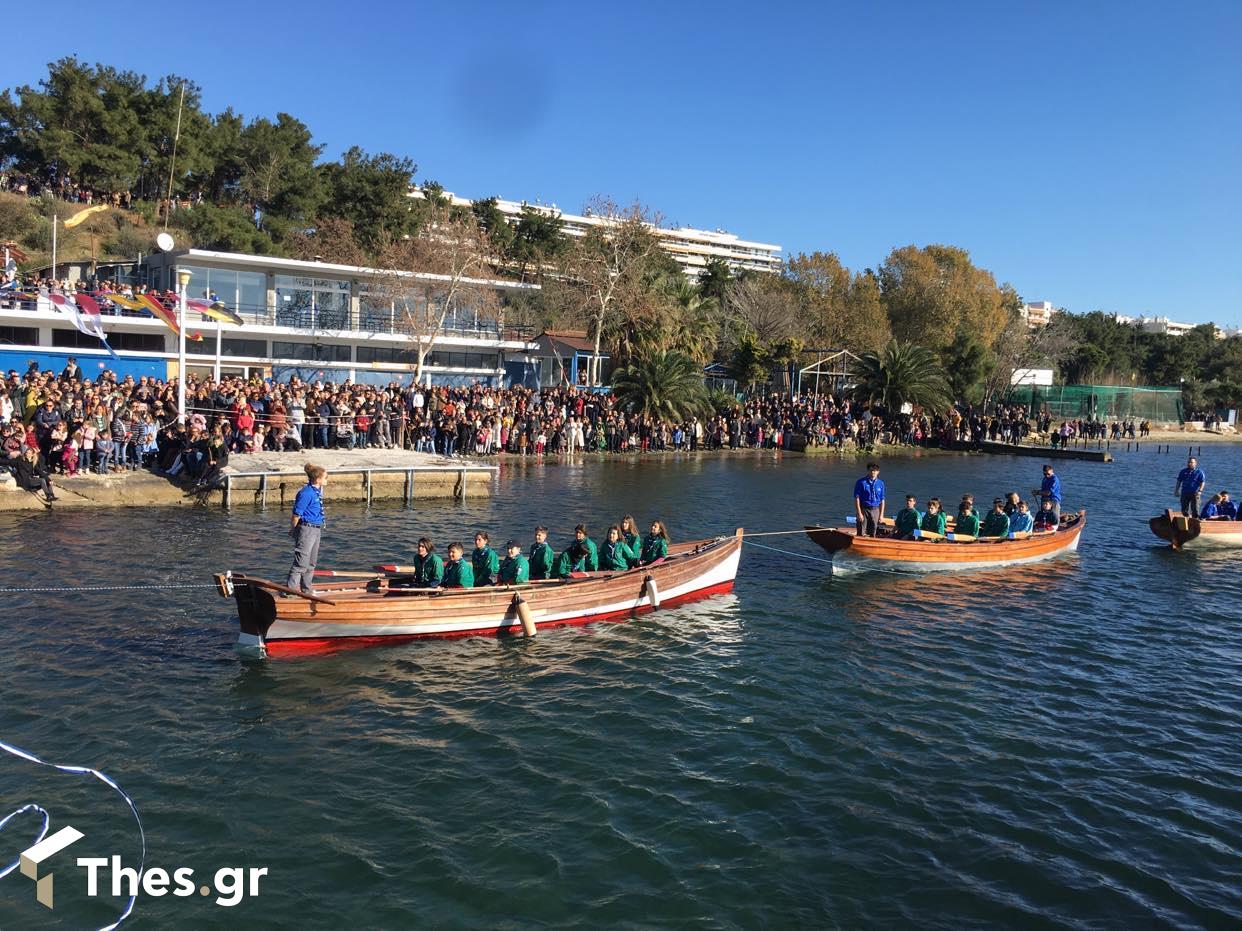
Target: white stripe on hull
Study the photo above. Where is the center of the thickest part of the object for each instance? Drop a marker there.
(1213, 541)
(844, 564)
(726, 571)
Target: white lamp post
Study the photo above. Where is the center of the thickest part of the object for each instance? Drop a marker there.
(183, 282)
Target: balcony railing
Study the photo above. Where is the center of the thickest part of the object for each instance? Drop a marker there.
(312, 320)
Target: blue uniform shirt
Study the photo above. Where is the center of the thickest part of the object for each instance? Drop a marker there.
(1021, 523)
(1050, 488)
(869, 492)
(1228, 509)
(1208, 511)
(308, 505)
(1191, 481)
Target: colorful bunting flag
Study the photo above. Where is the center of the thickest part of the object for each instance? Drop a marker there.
(216, 311)
(163, 313)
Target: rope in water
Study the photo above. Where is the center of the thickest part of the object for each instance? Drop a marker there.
(108, 588)
(77, 771)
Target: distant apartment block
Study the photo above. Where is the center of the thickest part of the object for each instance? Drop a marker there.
(1161, 325)
(1037, 313)
(691, 248)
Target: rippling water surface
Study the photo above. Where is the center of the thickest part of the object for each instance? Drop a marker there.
(1056, 745)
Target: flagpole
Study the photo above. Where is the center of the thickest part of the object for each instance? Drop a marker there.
(183, 280)
(53, 247)
(215, 376)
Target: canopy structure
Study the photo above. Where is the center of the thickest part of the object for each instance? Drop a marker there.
(830, 372)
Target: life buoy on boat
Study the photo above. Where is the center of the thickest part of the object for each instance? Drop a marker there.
(523, 612)
(653, 592)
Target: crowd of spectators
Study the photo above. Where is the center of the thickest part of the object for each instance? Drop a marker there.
(64, 188)
(81, 425)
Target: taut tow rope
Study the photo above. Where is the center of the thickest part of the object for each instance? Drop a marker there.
(6, 590)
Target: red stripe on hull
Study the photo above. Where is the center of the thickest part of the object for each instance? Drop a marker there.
(318, 645)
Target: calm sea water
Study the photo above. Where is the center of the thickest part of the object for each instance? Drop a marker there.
(1060, 745)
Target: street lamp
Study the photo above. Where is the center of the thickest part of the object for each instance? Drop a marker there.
(183, 282)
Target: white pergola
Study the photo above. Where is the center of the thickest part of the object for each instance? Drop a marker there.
(834, 365)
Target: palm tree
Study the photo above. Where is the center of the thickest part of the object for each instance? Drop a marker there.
(662, 384)
(692, 327)
(903, 373)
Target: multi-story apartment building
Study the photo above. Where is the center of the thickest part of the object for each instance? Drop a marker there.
(691, 248)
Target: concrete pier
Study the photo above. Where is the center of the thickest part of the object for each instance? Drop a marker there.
(273, 479)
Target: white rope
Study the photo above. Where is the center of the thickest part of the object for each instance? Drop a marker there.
(106, 780)
(790, 552)
(829, 561)
(109, 588)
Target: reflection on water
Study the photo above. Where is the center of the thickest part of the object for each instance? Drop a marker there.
(1054, 743)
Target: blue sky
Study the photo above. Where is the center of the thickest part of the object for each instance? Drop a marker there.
(1088, 153)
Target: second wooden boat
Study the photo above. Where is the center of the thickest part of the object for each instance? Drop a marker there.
(851, 553)
(373, 610)
(1192, 533)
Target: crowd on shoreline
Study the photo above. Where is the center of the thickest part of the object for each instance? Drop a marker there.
(76, 424)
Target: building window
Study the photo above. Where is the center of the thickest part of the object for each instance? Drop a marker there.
(310, 352)
(312, 303)
(22, 335)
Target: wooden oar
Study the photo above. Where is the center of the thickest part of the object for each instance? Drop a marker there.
(275, 586)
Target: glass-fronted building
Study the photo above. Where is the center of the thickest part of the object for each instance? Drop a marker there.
(314, 319)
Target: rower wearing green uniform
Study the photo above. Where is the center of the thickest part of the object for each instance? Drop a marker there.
(908, 519)
(633, 539)
(515, 570)
(485, 562)
(933, 520)
(541, 558)
(580, 556)
(428, 567)
(614, 555)
(655, 544)
(967, 523)
(458, 573)
(996, 524)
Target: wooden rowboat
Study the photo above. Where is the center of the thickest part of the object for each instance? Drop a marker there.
(851, 553)
(1192, 533)
(373, 610)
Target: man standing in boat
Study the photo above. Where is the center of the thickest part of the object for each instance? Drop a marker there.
(1050, 490)
(1190, 483)
(869, 502)
(306, 527)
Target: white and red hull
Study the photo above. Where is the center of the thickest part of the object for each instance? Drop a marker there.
(368, 611)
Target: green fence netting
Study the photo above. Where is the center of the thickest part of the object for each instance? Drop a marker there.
(1101, 402)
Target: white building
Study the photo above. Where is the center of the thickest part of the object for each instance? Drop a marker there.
(1158, 324)
(691, 248)
(1037, 313)
(316, 320)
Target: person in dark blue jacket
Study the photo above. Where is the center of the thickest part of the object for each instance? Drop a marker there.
(1227, 507)
(1189, 487)
(1050, 490)
(869, 502)
(1211, 510)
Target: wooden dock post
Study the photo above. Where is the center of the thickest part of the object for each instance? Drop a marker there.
(409, 487)
(366, 481)
(227, 497)
(263, 490)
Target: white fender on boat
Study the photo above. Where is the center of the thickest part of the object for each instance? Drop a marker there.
(653, 592)
(524, 615)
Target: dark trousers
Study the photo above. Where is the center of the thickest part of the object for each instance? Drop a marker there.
(869, 526)
(1190, 504)
(305, 556)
